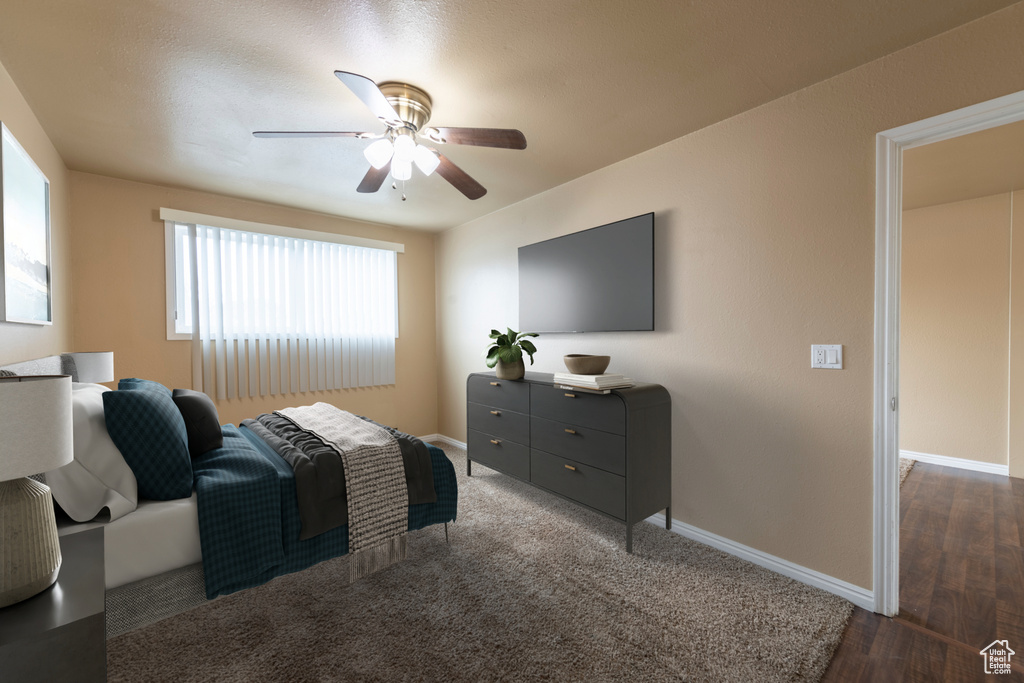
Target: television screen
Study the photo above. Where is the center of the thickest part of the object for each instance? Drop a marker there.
(597, 280)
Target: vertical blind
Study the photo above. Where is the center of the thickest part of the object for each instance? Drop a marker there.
(272, 314)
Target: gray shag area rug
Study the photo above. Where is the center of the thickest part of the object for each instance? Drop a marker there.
(906, 464)
(531, 588)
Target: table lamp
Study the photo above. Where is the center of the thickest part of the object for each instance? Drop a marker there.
(35, 436)
(92, 367)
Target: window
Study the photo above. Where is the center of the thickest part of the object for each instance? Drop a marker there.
(271, 313)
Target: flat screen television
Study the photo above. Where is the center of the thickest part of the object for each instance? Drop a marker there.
(597, 280)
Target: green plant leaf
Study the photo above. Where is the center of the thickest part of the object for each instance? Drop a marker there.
(495, 334)
(528, 334)
(528, 347)
(492, 356)
(510, 354)
(502, 340)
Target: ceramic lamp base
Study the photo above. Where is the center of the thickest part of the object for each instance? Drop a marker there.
(30, 559)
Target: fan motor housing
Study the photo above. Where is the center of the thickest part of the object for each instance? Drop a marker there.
(411, 104)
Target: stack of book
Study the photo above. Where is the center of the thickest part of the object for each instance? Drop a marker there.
(601, 384)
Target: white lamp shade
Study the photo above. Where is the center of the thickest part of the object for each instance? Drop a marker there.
(35, 425)
(426, 160)
(401, 169)
(94, 367)
(379, 153)
(405, 148)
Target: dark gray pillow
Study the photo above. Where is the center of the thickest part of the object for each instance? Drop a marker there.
(201, 421)
(136, 384)
(150, 433)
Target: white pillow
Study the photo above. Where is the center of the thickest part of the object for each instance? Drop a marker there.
(98, 477)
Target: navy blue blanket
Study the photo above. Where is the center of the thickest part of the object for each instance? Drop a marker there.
(249, 515)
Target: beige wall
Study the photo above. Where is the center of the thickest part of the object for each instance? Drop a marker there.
(765, 239)
(955, 329)
(1016, 412)
(23, 342)
(118, 243)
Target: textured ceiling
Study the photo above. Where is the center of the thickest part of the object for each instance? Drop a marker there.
(168, 91)
(977, 165)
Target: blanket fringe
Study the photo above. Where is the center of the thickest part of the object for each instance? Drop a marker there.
(364, 562)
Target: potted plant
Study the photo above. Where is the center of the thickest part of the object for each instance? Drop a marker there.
(506, 352)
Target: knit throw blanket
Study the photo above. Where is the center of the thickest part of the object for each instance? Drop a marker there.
(378, 498)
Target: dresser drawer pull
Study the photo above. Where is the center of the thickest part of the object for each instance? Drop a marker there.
(495, 442)
(495, 384)
(570, 467)
(495, 412)
(570, 431)
(570, 395)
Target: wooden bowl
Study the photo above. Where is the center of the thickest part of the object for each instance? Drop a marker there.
(584, 364)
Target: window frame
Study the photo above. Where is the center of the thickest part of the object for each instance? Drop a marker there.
(173, 217)
(171, 256)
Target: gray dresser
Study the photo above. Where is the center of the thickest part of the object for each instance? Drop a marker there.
(609, 452)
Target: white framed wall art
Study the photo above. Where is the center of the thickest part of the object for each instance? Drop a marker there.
(25, 228)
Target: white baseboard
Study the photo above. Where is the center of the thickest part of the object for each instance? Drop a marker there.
(445, 439)
(862, 597)
(960, 463)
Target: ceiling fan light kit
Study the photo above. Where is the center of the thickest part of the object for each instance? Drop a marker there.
(405, 110)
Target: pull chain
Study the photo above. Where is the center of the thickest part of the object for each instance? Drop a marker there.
(394, 186)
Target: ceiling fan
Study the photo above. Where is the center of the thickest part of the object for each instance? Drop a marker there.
(405, 110)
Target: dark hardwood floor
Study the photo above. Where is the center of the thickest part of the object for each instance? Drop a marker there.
(961, 584)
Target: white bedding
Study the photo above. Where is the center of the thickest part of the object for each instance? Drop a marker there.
(158, 536)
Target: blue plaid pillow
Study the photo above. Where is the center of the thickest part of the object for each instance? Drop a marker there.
(135, 384)
(150, 433)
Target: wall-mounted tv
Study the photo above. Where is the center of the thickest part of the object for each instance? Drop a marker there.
(597, 280)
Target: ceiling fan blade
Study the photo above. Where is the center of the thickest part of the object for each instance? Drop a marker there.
(459, 178)
(505, 138)
(374, 178)
(370, 94)
(311, 134)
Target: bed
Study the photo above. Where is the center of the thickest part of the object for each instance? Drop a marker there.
(237, 547)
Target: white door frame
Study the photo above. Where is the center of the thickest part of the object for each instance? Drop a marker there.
(889, 147)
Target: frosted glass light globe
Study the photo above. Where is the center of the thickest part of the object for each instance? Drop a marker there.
(401, 169)
(405, 148)
(426, 160)
(379, 153)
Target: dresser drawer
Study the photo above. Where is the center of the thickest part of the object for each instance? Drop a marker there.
(597, 411)
(584, 484)
(507, 456)
(498, 393)
(582, 444)
(504, 424)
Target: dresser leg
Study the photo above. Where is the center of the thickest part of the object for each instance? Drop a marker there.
(446, 532)
(469, 467)
(668, 518)
(629, 538)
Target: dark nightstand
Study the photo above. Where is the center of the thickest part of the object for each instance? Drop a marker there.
(59, 635)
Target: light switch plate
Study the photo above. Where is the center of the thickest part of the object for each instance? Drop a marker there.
(829, 356)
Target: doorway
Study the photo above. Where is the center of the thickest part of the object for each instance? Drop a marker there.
(890, 146)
